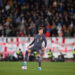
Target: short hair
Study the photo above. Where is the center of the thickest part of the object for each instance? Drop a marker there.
(40, 28)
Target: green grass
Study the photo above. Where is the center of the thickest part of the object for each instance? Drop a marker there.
(48, 68)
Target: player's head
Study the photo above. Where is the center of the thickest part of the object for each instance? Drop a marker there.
(19, 49)
(40, 30)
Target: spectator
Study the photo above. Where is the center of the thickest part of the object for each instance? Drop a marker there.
(19, 54)
(23, 17)
(73, 54)
(1, 56)
(47, 34)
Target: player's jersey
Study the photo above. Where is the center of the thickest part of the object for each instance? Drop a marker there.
(38, 40)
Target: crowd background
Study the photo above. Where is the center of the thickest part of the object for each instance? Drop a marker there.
(23, 17)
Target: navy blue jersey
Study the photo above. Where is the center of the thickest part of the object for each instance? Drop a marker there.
(38, 40)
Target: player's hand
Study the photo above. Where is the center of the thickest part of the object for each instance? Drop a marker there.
(28, 47)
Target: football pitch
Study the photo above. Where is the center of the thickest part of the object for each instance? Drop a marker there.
(48, 68)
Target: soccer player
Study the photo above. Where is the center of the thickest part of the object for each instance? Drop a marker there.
(37, 46)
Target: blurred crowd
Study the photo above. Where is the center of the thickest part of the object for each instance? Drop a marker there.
(23, 17)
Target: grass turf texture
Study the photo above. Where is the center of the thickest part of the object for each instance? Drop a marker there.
(48, 68)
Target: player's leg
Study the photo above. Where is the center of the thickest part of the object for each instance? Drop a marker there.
(26, 58)
(26, 54)
(39, 61)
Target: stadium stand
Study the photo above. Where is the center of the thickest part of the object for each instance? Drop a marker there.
(23, 17)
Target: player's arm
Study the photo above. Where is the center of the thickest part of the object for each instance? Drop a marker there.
(32, 42)
(45, 41)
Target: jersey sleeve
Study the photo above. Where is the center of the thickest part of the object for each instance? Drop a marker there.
(32, 42)
(45, 41)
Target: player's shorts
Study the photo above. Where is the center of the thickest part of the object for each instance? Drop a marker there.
(38, 50)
